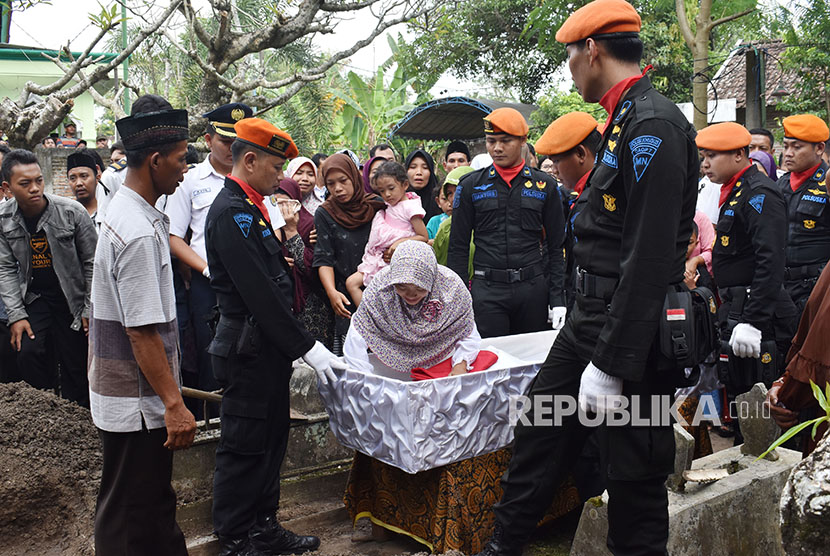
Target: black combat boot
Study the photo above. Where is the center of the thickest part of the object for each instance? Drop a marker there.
(269, 537)
(500, 545)
(229, 546)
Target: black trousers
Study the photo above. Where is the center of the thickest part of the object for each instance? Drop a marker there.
(136, 510)
(635, 460)
(799, 291)
(503, 309)
(202, 301)
(55, 342)
(255, 422)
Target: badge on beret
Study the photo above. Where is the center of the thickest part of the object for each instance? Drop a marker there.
(488, 127)
(237, 114)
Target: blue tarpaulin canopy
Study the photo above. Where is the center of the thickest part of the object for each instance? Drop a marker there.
(452, 118)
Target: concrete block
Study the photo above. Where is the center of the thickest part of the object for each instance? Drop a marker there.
(684, 446)
(736, 515)
(757, 425)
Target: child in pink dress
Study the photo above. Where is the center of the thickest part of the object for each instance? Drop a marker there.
(401, 220)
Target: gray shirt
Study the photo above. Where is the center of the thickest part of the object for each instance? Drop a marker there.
(132, 286)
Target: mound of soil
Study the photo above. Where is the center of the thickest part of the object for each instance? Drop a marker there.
(50, 466)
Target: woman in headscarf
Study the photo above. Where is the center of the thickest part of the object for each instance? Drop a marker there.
(765, 162)
(303, 171)
(310, 302)
(343, 224)
(420, 168)
(368, 170)
(414, 315)
(417, 316)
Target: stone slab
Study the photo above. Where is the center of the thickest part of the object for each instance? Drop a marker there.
(738, 515)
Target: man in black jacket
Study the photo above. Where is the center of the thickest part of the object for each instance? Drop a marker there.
(514, 210)
(632, 226)
(805, 191)
(757, 317)
(257, 339)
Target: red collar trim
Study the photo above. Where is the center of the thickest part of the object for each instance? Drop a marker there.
(580, 185)
(726, 188)
(254, 197)
(612, 98)
(508, 174)
(797, 179)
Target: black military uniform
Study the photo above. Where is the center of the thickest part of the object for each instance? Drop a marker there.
(256, 340)
(748, 266)
(808, 234)
(631, 228)
(512, 288)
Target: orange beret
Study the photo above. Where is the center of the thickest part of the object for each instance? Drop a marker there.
(565, 133)
(266, 136)
(506, 120)
(806, 127)
(597, 18)
(725, 136)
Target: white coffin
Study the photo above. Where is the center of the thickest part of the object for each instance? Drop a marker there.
(421, 425)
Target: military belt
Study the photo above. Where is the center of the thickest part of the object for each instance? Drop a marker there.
(802, 272)
(593, 285)
(509, 275)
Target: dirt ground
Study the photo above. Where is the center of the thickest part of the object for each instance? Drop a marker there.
(50, 461)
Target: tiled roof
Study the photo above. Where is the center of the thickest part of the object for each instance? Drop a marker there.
(730, 79)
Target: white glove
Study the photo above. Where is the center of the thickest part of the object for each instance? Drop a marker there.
(206, 272)
(322, 360)
(746, 341)
(556, 317)
(598, 391)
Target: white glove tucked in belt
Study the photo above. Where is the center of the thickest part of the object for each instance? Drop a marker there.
(746, 341)
(556, 317)
(597, 390)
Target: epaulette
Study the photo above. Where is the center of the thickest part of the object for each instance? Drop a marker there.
(191, 165)
(118, 166)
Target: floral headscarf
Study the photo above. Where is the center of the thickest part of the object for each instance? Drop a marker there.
(407, 336)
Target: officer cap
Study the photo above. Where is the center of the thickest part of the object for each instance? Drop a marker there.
(150, 129)
(77, 159)
(725, 136)
(506, 120)
(600, 18)
(806, 127)
(456, 174)
(565, 133)
(265, 136)
(223, 118)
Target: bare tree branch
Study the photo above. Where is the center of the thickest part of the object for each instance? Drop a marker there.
(282, 98)
(347, 6)
(101, 70)
(729, 18)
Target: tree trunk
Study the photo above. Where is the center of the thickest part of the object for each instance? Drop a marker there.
(700, 89)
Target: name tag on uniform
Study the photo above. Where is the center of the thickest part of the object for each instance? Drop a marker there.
(492, 194)
(541, 195)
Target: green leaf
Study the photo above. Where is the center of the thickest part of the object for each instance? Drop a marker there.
(819, 395)
(827, 394)
(787, 435)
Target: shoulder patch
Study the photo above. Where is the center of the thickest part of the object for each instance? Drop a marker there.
(757, 202)
(643, 149)
(626, 105)
(118, 165)
(243, 220)
(456, 200)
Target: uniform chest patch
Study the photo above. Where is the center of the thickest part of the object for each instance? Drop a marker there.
(542, 195)
(729, 212)
(609, 159)
(815, 199)
(243, 220)
(643, 149)
(757, 202)
(724, 240)
(610, 202)
(484, 187)
(809, 224)
(485, 195)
